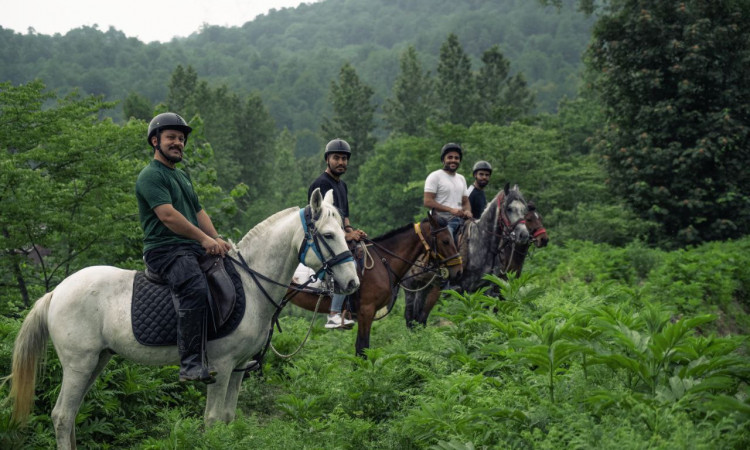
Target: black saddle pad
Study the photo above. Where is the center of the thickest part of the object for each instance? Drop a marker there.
(155, 319)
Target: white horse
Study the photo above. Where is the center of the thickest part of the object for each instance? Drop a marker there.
(88, 316)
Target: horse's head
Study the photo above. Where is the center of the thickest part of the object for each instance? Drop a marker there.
(444, 247)
(325, 249)
(535, 226)
(511, 212)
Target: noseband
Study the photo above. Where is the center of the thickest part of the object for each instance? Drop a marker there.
(312, 240)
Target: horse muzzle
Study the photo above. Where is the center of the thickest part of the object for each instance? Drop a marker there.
(350, 288)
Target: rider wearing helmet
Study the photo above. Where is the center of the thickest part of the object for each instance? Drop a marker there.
(177, 231)
(336, 156)
(445, 190)
(481, 171)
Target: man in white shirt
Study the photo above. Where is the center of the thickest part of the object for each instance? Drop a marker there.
(446, 192)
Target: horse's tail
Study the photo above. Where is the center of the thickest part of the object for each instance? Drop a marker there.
(30, 348)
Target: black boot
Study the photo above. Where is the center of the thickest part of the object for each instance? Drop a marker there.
(190, 343)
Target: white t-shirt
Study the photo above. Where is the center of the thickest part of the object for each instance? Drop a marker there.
(449, 189)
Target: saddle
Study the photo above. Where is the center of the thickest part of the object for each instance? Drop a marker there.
(154, 314)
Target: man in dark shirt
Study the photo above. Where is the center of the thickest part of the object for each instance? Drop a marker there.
(482, 171)
(337, 160)
(177, 231)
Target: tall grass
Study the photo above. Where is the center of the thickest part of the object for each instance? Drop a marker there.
(592, 347)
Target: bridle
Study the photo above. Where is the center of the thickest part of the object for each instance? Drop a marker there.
(506, 231)
(539, 231)
(312, 241)
(504, 225)
(443, 262)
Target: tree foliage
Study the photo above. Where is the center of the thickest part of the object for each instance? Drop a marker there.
(413, 97)
(353, 116)
(63, 170)
(673, 78)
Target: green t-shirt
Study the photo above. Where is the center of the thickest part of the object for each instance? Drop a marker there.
(157, 185)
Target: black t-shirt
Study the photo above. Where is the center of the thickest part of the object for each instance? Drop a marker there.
(477, 200)
(340, 192)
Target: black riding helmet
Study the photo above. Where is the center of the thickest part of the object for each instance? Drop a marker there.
(451, 147)
(337, 146)
(481, 165)
(167, 121)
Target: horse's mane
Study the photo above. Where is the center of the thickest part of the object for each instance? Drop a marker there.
(389, 234)
(263, 227)
(489, 215)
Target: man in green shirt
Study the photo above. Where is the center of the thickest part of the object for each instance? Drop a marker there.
(177, 231)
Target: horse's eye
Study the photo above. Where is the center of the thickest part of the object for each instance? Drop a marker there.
(328, 235)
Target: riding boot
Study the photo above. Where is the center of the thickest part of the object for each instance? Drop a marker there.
(190, 338)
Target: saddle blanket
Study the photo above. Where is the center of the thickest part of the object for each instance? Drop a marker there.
(155, 319)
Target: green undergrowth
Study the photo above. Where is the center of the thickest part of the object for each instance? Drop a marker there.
(591, 347)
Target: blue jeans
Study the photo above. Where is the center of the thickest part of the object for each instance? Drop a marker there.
(453, 225)
(337, 301)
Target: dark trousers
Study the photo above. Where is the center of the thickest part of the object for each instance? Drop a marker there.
(178, 264)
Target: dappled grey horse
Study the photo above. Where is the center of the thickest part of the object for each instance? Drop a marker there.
(489, 245)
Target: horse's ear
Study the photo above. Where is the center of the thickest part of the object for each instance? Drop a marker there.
(507, 188)
(432, 217)
(515, 188)
(316, 202)
(329, 197)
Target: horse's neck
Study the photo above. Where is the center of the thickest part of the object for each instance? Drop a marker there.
(407, 246)
(269, 252)
(477, 250)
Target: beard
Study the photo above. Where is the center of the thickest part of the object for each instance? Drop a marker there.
(337, 170)
(483, 183)
(172, 159)
(448, 167)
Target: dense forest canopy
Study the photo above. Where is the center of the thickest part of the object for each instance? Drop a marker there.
(289, 56)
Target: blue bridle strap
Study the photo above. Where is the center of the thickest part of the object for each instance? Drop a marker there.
(311, 241)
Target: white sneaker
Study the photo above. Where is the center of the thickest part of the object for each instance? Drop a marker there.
(338, 321)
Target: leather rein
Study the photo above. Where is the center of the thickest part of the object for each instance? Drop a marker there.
(310, 241)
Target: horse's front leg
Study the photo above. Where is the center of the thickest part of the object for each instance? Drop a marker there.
(365, 317)
(411, 299)
(233, 392)
(428, 302)
(216, 395)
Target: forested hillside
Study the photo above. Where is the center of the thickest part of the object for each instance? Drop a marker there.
(629, 330)
(290, 56)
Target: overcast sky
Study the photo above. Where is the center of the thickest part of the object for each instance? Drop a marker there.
(148, 20)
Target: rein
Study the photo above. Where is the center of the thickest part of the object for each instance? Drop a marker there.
(311, 241)
(432, 253)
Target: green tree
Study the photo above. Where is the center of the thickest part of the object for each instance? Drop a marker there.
(390, 186)
(65, 188)
(353, 117)
(673, 77)
(413, 100)
(138, 107)
(502, 98)
(456, 88)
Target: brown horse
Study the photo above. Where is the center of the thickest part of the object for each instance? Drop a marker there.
(391, 256)
(486, 246)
